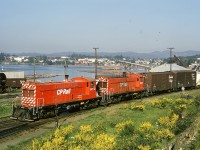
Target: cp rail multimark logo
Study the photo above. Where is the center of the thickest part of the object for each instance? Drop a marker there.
(63, 91)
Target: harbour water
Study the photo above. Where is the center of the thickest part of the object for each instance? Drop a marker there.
(72, 71)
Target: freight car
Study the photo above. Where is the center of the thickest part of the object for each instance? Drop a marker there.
(14, 83)
(198, 79)
(13, 79)
(2, 82)
(159, 82)
(186, 79)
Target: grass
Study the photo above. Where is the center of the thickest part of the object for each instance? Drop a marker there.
(6, 102)
(106, 121)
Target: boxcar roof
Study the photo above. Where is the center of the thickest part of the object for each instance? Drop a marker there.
(166, 67)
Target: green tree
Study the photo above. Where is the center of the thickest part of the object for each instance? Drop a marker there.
(2, 57)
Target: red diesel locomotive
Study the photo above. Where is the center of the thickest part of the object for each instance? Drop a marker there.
(41, 100)
(113, 89)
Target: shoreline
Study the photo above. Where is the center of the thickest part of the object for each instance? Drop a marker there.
(38, 76)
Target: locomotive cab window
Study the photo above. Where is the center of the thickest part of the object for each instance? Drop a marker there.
(103, 84)
(31, 93)
(25, 93)
(92, 85)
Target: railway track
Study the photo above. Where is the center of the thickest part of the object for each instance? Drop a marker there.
(9, 127)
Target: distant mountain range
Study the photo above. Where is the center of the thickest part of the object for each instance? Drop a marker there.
(155, 54)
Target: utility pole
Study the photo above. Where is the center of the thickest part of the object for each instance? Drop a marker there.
(170, 57)
(95, 62)
(34, 70)
(65, 66)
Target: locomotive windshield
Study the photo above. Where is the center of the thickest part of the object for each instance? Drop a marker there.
(92, 85)
(31, 93)
(28, 93)
(25, 93)
(103, 84)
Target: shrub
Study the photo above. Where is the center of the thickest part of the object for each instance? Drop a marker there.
(142, 147)
(135, 106)
(168, 122)
(56, 141)
(197, 102)
(162, 103)
(145, 127)
(103, 142)
(124, 125)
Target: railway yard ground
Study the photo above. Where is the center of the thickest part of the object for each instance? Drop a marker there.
(6, 101)
(111, 121)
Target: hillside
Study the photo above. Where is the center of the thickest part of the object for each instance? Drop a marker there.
(131, 54)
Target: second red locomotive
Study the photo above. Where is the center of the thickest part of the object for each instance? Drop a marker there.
(114, 89)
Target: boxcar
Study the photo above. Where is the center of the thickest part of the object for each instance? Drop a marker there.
(186, 79)
(14, 79)
(2, 82)
(198, 79)
(15, 82)
(158, 81)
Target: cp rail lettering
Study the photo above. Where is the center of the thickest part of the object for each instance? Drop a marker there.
(123, 84)
(63, 91)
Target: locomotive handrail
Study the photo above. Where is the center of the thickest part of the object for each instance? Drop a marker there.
(37, 106)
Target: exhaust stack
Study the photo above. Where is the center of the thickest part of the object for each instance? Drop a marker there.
(66, 78)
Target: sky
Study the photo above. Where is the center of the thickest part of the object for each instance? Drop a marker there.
(110, 25)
